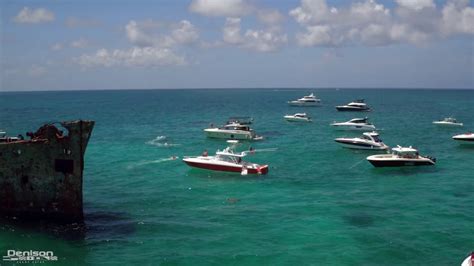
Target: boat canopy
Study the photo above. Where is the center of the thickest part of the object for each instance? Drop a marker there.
(405, 150)
(243, 120)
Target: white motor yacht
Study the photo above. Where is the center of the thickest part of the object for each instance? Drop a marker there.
(467, 138)
(298, 117)
(448, 121)
(368, 141)
(309, 100)
(226, 160)
(354, 124)
(401, 156)
(232, 131)
(357, 105)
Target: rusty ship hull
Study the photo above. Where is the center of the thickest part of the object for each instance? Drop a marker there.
(42, 177)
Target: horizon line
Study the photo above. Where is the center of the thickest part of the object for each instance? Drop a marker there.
(243, 88)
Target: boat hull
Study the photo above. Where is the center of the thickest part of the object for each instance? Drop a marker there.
(399, 162)
(294, 119)
(353, 127)
(465, 139)
(301, 104)
(351, 109)
(447, 124)
(263, 169)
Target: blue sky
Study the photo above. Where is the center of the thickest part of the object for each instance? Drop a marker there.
(85, 45)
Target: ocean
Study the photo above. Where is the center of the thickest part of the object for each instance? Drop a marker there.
(320, 204)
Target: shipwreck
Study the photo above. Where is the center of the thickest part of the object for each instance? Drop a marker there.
(41, 177)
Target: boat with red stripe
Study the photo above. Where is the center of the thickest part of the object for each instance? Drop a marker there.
(226, 160)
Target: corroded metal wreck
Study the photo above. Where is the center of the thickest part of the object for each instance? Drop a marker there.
(42, 177)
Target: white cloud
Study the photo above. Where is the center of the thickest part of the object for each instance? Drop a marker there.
(257, 40)
(224, 8)
(457, 17)
(81, 43)
(56, 47)
(34, 16)
(370, 23)
(270, 16)
(184, 32)
(415, 4)
(264, 41)
(315, 36)
(152, 33)
(231, 31)
(136, 56)
(311, 11)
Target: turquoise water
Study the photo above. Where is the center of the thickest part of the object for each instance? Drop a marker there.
(320, 204)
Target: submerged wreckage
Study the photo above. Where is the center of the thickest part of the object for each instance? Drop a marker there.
(42, 177)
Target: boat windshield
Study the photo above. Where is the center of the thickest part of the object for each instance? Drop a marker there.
(377, 139)
(359, 120)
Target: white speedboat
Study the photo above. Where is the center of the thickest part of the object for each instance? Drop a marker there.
(357, 105)
(232, 131)
(298, 117)
(368, 141)
(226, 160)
(401, 156)
(469, 260)
(354, 124)
(467, 138)
(5, 138)
(309, 100)
(448, 121)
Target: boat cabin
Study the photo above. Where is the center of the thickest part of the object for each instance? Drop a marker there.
(243, 120)
(405, 152)
(360, 120)
(373, 136)
(236, 126)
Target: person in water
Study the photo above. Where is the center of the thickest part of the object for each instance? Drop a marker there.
(252, 150)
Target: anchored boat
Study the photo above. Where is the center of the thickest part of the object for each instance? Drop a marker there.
(232, 131)
(298, 117)
(448, 121)
(401, 156)
(467, 138)
(368, 141)
(308, 100)
(227, 160)
(357, 105)
(354, 124)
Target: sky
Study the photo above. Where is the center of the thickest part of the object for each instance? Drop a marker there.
(125, 44)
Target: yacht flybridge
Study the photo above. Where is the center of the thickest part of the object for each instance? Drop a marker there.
(354, 124)
(298, 117)
(368, 141)
(467, 138)
(448, 121)
(357, 105)
(227, 160)
(232, 131)
(401, 156)
(309, 100)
